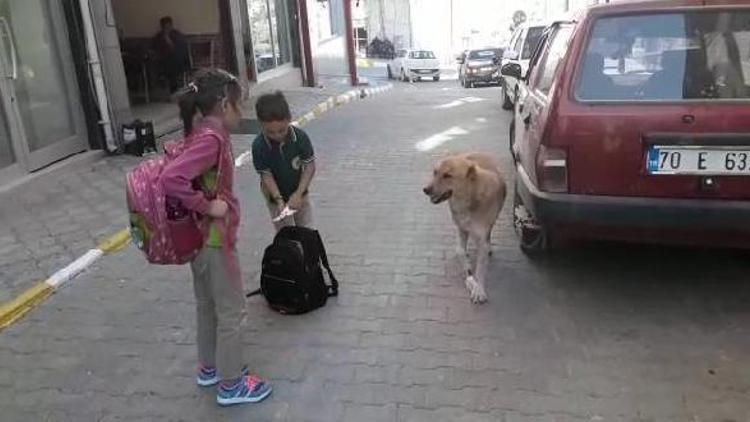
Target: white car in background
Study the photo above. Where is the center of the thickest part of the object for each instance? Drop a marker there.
(414, 65)
(522, 45)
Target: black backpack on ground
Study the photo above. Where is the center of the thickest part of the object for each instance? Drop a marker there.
(292, 278)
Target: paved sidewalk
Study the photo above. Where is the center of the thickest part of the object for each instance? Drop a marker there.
(49, 222)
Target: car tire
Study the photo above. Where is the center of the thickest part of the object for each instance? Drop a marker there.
(534, 242)
(436, 78)
(390, 72)
(507, 103)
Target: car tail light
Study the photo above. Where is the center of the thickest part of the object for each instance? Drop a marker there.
(552, 169)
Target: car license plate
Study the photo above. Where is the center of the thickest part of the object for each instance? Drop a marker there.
(689, 160)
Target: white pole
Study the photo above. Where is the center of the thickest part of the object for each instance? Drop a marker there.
(97, 76)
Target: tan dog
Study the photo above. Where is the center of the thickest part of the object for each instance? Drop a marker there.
(475, 190)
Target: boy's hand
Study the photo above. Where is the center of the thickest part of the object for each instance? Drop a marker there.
(295, 201)
(280, 205)
(218, 208)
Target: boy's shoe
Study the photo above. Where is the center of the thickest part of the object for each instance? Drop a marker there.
(249, 389)
(208, 376)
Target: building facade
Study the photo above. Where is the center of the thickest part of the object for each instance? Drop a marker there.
(72, 72)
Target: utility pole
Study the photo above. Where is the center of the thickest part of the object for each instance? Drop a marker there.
(451, 17)
(381, 12)
(408, 10)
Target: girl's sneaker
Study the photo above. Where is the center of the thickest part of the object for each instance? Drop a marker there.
(208, 376)
(249, 389)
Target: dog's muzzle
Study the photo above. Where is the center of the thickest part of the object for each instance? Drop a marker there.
(436, 199)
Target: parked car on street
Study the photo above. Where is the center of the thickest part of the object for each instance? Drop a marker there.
(480, 66)
(633, 124)
(523, 43)
(414, 65)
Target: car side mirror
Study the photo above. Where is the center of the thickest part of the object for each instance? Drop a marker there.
(512, 70)
(460, 60)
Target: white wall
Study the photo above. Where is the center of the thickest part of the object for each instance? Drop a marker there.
(140, 18)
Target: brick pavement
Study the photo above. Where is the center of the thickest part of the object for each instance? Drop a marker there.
(602, 334)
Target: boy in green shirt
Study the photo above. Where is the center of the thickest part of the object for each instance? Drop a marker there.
(285, 160)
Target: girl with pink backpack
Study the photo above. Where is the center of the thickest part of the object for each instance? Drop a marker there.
(197, 179)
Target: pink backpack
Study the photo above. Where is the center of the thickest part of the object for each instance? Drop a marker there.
(166, 232)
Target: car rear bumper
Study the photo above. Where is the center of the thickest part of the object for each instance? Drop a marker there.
(483, 77)
(598, 213)
(422, 73)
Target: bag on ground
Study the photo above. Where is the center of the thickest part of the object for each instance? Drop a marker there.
(292, 279)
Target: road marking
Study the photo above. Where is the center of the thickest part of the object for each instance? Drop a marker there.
(438, 139)
(459, 102)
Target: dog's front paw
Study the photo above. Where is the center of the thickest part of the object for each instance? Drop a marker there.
(476, 290)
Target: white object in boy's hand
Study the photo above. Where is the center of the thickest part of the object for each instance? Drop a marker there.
(286, 212)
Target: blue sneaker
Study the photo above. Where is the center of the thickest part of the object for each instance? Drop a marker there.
(249, 389)
(208, 376)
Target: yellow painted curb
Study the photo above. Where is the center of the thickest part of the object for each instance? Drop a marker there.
(116, 242)
(12, 311)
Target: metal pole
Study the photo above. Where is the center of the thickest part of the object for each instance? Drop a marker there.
(349, 28)
(411, 40)
(451, 27)
(97, 75)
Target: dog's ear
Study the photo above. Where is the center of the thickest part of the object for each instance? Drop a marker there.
(471, 173)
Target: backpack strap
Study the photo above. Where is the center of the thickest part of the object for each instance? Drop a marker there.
(334, 287)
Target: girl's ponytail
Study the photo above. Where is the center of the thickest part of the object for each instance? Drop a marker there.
(188, 107)
(209, 88)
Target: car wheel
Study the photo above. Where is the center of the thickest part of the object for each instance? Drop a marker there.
(436, 78)
(507, 103)
(533, 238)
(390, 72)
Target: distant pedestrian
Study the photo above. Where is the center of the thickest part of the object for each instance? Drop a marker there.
(201, 179)
(283, 156)
(172, 53)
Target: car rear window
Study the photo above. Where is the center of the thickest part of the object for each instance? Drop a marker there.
(532, 41)
(668, 57)
(421, 55)
(484, 54)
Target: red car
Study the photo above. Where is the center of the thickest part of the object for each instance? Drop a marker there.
(633, 124)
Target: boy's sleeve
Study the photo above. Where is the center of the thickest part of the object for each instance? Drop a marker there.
(307, 154)
(260, 161)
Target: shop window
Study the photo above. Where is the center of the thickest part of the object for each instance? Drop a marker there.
(269, 26)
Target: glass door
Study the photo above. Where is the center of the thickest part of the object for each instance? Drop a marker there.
(9, 165)
(40, 83)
